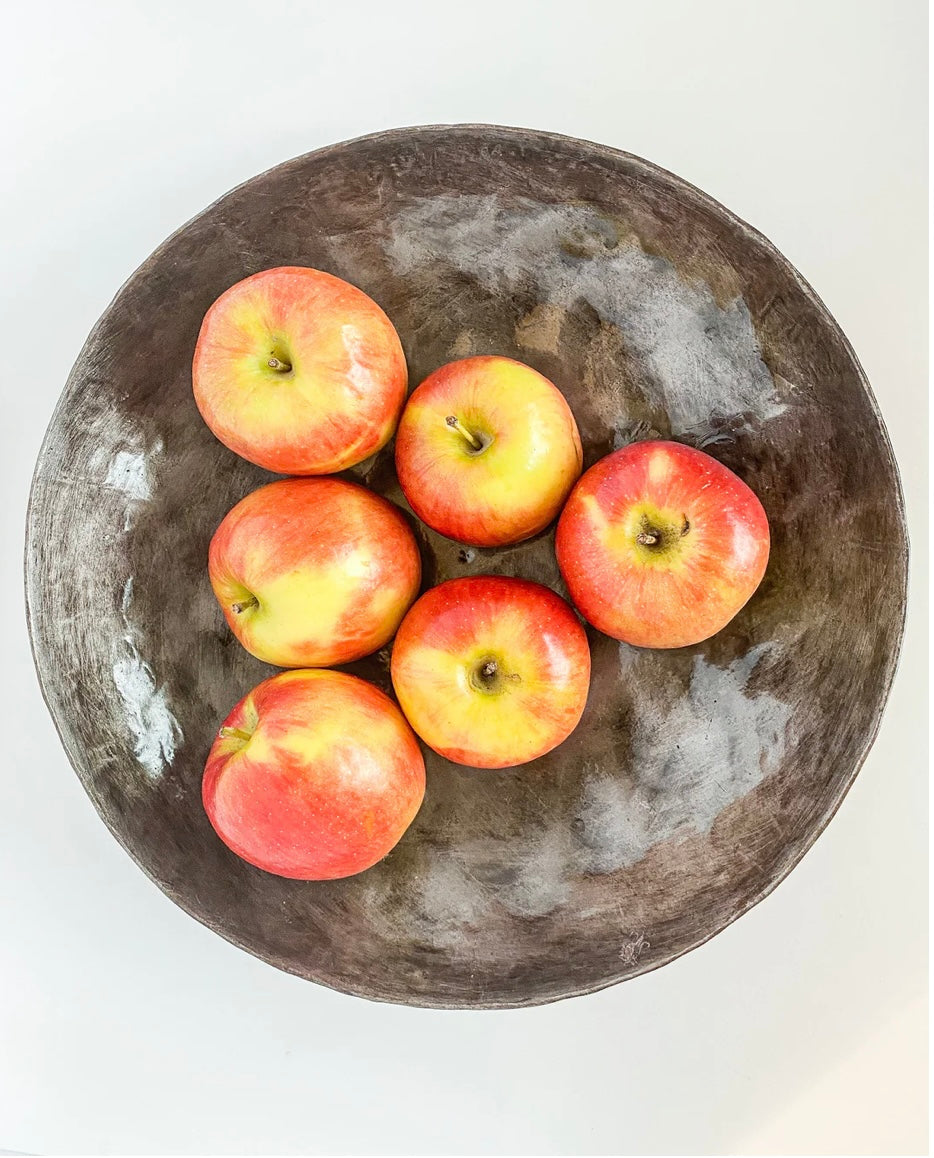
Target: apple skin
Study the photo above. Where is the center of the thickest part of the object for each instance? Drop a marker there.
(710, 553)
(322, 781)
(339, 401)
(515, 485)
(535, 697)
(332, 569)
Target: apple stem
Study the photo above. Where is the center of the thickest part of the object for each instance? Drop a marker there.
(647, 538)
(489, 678)
(279, 364)
(239, 608)
(454, 424)
(234, 734)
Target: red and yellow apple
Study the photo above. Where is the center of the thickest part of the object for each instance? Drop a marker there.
(487, 450)
(299, 372)
(660, 545)
(315, 571)
(491, 671)
(314, 775)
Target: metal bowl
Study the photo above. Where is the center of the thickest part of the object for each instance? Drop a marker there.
(698, 777)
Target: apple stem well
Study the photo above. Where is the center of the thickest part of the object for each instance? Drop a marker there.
(462, 430)
(489, 678)
(651, 536)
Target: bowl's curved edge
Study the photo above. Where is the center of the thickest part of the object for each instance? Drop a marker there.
(692, 194)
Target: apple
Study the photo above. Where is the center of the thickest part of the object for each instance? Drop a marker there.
(491, 671)
(299, 372)
(315, 571)
(487, 450)
(660, 545)
(314, 775)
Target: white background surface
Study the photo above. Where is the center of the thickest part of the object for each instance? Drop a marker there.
(127, 1027)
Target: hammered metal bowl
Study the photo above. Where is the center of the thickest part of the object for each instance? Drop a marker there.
(698, 777)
